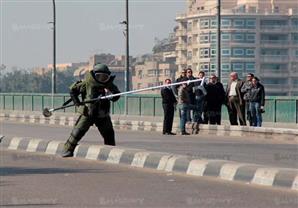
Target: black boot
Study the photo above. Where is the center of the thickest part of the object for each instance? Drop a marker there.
(68, 149)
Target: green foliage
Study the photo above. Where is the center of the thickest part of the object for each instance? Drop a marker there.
(23, 81)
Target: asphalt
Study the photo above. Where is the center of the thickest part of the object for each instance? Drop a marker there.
(38, 180)
(240, 149)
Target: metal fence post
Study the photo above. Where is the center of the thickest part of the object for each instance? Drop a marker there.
(12, 102)
(154, 98)
(23, 105)
(32, 103)
(140, 106)
(275, 107)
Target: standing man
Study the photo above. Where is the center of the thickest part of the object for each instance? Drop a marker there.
(235, 102)
(96, 83)
(168, 103)
(214, 99)
(257, 102)
(246, 89)
(200, 92)
(184, 105)
(189, 75)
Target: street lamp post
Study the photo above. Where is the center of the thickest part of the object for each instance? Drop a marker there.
(54, 54)
(219, 40)
(126, 79)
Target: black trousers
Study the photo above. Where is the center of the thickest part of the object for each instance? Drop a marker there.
(213, 116)
(168, 110)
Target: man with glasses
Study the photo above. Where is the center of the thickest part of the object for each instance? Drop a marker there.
(246, 90)
(189, 76)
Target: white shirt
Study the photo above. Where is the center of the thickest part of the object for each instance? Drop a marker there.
(233, 89)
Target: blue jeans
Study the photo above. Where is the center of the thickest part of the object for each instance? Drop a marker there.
(183, 109)
(198, 110)
(256, 115)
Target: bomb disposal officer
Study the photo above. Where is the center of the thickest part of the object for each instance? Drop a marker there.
(97, 82)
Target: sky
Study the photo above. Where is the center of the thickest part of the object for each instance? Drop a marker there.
(84, 28)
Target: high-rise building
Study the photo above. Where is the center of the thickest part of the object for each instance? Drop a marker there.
(257, 36)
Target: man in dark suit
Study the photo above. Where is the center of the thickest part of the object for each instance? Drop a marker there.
(235, 101)
(168, 103)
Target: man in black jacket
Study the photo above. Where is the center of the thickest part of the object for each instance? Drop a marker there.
(214, 99)
(257, 102)
(168, 103)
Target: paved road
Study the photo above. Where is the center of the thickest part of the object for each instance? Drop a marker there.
(251, 150)
(36, 180)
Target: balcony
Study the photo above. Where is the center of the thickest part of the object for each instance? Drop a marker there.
(181, 32)
(274, 58)
(181, 47)
(272, 28)
(181, 60)
(275, 73)
(275, 42)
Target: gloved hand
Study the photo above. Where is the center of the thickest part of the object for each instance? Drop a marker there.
(75, 100)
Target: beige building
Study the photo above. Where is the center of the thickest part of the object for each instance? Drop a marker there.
(257, 36)
(152, 73)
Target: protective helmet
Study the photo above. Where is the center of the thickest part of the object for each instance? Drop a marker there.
(101, 73)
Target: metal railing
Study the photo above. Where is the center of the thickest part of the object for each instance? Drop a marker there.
(278, 109)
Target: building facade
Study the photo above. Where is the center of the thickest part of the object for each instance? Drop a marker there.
(257, 36)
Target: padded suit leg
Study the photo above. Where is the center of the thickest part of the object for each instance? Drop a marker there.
(81, 127)
(105, 127)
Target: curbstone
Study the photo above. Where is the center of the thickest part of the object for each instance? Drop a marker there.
(221, 169)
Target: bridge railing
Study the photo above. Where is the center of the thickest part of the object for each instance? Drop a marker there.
(278, 109)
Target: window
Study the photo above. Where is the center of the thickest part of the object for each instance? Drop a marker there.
(250, 52)
(225, 52)
(213, 23)
(295, 23)
(204, 23)
(213, 52)
(250, 38)
(238, 23)
(225, 37)
(140, 74)
(204, 38)
(238, 67)
(204, 53)
(225, 23)
(296, 53)
(189, 55)
(251, 23)
(225, 67)
(213, 38)
(238, 37)
(213, 67)
(189, 26)
(238, 52)
(250, 67)
(204, 67)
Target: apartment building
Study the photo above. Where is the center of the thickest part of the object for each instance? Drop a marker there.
(152, 73)
(257, 36)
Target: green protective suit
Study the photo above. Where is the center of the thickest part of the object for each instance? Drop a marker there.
(97, 113)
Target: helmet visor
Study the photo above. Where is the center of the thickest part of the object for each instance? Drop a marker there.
(102, 77)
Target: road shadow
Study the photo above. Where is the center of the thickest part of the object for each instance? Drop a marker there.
(12, 171)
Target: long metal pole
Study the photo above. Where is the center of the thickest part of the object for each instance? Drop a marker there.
(54, 54)
(127, 57)
(219, 40)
